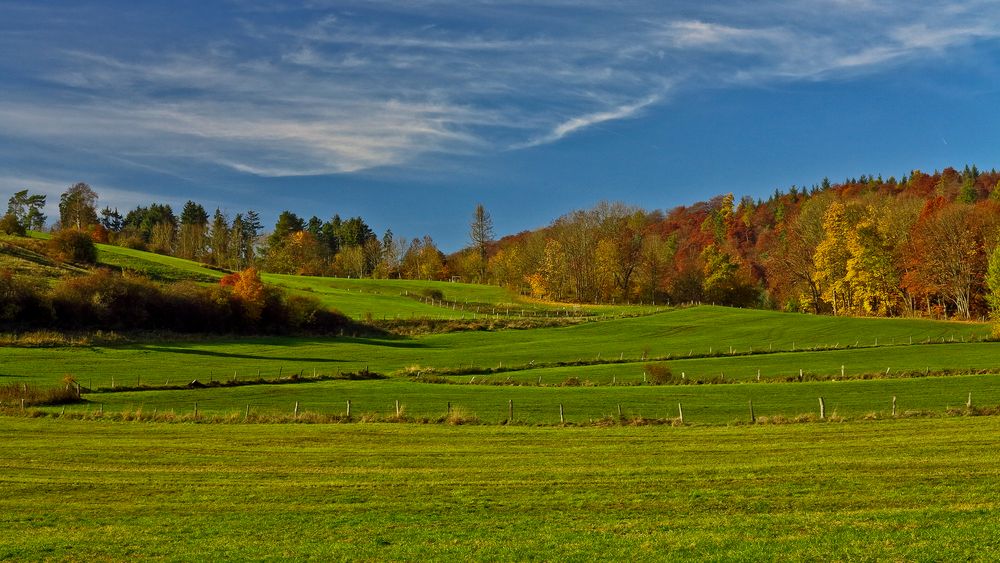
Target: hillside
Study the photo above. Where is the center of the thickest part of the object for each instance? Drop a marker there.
(360, 299)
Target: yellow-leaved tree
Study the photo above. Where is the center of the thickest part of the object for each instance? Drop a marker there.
(871, 274)
(831, 259)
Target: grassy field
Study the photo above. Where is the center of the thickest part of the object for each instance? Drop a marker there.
(889, 490)
(678, 333)
(532, 355)
(706, 404)
(863, 484)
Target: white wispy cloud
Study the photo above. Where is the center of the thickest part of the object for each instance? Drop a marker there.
(587, 120)
(317, 87)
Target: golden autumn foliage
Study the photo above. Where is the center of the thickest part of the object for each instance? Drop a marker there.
(249, 290)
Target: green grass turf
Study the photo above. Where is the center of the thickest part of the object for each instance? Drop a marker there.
(156, 266)
(891, 490)
(390, 299)
(677, 332)
(702, 404)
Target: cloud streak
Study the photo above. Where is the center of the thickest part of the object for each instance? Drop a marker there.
(578, 123)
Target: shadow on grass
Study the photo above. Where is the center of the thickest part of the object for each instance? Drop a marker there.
(196, 352)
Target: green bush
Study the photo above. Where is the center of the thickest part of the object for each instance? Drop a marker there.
(431, 293)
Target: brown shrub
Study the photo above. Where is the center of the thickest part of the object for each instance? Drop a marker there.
(73, 245)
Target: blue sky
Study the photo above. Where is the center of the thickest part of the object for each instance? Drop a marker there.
(409, 112)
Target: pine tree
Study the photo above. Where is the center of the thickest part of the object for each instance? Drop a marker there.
(220, 239)
(481, 235)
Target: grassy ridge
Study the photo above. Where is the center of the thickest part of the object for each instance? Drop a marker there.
(155, 266)
(392, 492)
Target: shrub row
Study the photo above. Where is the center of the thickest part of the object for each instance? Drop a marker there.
(104, 300)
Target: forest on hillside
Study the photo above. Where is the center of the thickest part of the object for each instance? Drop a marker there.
(923, 244)
(920, 245)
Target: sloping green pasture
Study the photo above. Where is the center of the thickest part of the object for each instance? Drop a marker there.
(531, 356)
(677, 333)
(156, 266)
(890, 490)
(403, 299)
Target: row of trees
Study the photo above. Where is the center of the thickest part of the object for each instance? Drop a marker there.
(337, 247)
(917, 245)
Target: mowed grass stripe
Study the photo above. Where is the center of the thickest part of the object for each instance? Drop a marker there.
(898, 490)
(702, 404)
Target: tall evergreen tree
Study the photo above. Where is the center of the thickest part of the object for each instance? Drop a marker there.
(193, 231)
(219, 238)
(27, 210)
(481, 235)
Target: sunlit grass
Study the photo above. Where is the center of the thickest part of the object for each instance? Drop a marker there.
(887, 490)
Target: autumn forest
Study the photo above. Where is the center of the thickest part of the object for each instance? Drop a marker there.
(919, 245)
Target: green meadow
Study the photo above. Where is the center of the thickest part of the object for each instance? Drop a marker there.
(896, 490)
(544, 442)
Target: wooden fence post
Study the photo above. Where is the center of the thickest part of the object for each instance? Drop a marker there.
(752, 417)
(680, 413)
(348, 408)
(195, 409)
(893, 405)
(246, 414)
(295, 413)
(397, 408)
(510, 410)
(968, 403)
(822, 408)
(619, 410)
(562, 418)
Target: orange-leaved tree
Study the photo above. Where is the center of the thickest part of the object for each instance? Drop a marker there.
(248, 290)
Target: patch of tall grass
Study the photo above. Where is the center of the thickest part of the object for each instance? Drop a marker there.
(18, 395)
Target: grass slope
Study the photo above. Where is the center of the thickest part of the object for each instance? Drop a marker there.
(359, 299)
(156, 266)
(679, 332)
(900, 490)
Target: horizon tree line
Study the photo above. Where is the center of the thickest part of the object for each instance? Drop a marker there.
(923, 244)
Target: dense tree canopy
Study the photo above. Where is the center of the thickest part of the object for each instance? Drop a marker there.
(923, 244)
